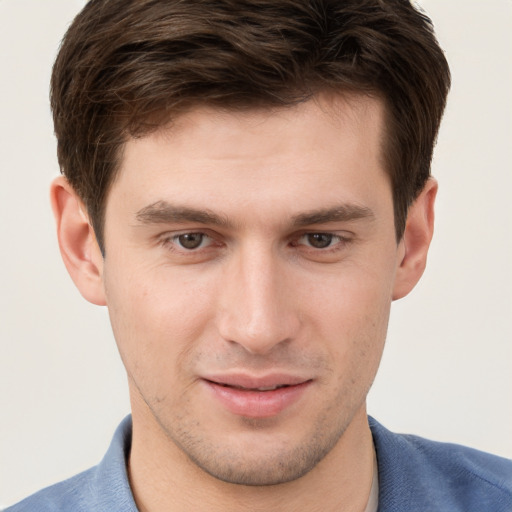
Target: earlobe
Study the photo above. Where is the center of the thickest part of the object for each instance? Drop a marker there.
(416, 241)
(77, 242)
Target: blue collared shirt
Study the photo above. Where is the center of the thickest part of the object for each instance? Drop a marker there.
(415, 475)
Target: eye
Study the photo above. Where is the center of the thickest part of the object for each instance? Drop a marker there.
(191, 241)
(319, 240)
(188, 247)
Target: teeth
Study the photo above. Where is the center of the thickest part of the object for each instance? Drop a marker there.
(271, 388)
(264, 388)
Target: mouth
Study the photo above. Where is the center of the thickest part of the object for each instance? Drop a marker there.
(252, 397)
(243, 388)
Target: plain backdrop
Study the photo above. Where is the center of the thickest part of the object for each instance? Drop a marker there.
(446, 372)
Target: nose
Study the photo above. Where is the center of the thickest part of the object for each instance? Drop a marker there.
(256, 303)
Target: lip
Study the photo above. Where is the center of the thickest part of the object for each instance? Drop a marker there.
(245, 395)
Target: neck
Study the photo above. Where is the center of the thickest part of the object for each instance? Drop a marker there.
(162, 477)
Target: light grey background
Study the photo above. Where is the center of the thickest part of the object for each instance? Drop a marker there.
(446, 372)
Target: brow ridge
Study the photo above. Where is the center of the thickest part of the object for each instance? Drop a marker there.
(162, 212)
(339, 213)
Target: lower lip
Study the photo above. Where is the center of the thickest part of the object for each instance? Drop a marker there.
(257, 404)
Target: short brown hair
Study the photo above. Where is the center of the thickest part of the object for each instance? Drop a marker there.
(126, 67)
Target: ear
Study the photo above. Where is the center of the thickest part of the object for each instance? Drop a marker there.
(77, 241)
(416, 241)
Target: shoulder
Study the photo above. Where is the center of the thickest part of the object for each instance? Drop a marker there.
(443, 476)
(476, 465)
(66, 495)
(103, 487)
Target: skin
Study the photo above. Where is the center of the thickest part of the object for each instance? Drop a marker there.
(259, 296)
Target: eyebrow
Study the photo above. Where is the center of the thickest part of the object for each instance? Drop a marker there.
(340, 213)
(162, 212)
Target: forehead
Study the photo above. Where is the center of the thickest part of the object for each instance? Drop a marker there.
(261, 158)
(347, 115)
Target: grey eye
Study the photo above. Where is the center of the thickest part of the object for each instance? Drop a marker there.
(191, 240)
(319, 240)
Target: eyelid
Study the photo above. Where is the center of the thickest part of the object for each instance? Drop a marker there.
(342, 236)
(331, 253)
(332, 235)
(170, 240)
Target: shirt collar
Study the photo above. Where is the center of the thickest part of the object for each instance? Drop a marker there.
(111, 481)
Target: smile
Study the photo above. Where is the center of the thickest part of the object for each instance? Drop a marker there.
(263, 388)
(257, 398)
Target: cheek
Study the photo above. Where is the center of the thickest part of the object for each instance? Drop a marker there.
(353, 300)
(351, 314)
(358, 326)
(157, 319)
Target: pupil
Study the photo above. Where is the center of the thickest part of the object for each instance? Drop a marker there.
(320, 240)
(190, 240)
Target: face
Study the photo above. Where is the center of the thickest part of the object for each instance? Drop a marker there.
(249, 270)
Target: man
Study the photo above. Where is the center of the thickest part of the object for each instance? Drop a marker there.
(247, 189)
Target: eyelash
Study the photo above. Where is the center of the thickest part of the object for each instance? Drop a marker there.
(173, 241)
(338, 242)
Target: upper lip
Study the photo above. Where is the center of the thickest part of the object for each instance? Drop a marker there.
(244, 380)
